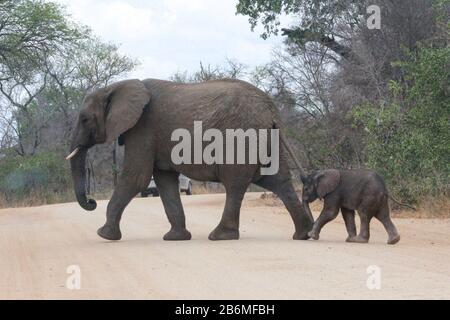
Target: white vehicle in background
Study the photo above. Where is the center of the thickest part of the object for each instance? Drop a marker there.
(185, 186)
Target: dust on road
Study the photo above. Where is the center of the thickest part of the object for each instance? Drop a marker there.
(37, 245)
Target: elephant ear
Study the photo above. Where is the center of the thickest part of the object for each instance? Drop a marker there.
(126, 102)
(326, 182)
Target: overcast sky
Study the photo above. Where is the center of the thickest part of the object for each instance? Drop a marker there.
(167, 36)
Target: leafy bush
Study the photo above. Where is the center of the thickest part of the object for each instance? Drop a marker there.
(408, 138)
(42, 176)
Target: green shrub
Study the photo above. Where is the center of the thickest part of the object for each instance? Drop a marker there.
(44, 175)
(408, 138)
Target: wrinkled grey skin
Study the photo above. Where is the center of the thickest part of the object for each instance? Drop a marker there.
(347, 191)
(144, 114)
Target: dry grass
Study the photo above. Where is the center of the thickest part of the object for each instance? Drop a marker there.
(430, 208)
(44, 197)
(37, 198)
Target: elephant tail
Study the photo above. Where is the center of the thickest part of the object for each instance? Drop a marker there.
(401, 204)
(289, 149)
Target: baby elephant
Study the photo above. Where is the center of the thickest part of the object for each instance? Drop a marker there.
(350, 190)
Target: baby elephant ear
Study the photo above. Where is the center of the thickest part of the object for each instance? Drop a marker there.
(326, 182)
(126, 102)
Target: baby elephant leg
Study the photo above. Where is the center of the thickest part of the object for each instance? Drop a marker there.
(349, 219)
(364, 233)
(328, 214)
(384, 216)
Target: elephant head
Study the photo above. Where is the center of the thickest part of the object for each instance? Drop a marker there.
(319, 184)
(105, 115)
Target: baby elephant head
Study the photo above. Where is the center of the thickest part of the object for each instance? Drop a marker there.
(319, 184)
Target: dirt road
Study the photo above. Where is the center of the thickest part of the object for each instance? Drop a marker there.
(37, 245)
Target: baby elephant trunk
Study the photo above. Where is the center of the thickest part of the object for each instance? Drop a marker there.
(305, 204)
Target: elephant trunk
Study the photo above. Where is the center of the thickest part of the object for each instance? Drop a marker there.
(305, 204)
(77, 164)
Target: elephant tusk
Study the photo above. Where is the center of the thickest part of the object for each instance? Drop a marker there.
(73, 154)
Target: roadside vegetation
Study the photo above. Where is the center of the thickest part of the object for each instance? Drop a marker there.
(350, 96)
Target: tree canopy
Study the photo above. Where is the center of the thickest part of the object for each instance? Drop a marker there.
(358, 97)
(47, 65)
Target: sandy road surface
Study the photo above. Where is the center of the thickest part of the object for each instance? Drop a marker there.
(38, 244)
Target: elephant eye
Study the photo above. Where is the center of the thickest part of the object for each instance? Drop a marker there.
(84, 119)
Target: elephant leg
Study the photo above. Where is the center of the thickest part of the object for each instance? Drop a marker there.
(328, 214)
(349, 219)
(228, 228)
(281, 185)
(383, 216)
(135, 177)
(168, 187)
(364, 233)
(128, 186)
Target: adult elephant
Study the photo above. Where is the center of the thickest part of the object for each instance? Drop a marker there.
(144, 114)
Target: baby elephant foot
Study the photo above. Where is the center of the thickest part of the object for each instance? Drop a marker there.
(314, 235)
(221, 233)
(358, 239)
(110, 233)
(394, 240)
(301, 236)
(177, 235)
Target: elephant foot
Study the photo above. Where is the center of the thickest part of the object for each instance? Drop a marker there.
(350, 237)
(394, 240)
(301, 236)
(314, 235)
(358, 239)
(110, 233)
(221, 233)
(178, 235)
